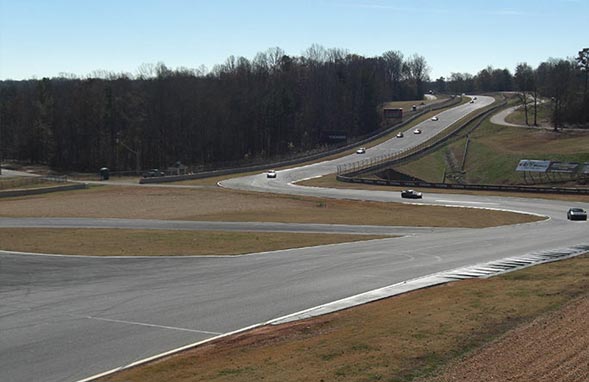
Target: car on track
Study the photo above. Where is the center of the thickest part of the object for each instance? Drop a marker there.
(361, 150)
(271, 174)
(472, 101)
(435, 118)
(411, 194)
(154, 172)
(416, 131)
(576, 214)
(400, 134)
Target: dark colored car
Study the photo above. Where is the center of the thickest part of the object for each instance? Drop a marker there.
(153, 173)
(577, 214)
(411, 194)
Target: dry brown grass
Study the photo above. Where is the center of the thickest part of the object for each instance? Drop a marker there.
(396, 339)
(541, 142)
(551, 348)
(224, 205)
(111, 242)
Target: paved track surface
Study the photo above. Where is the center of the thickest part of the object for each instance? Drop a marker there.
(66, 318)
(212, 226)
(499, 118)
(11, 173)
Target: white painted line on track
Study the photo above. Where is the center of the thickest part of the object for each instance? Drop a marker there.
(170, 352)
(359, 299)
(464, 201)
(151, 325)
(293, 183)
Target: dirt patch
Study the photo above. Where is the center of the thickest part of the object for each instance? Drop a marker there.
(551, 348)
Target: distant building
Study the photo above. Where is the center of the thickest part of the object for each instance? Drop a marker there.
(393, 113)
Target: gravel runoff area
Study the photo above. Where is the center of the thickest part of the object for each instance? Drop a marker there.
(552, 348)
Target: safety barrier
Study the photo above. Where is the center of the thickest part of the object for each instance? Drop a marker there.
(388, 160)
(477, 187)
(207, 174)
(42, 190)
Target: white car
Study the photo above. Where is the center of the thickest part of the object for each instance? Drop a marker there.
(361, 150)
(400, 134)
(411, 194)
(271, 174)
(416, 131)
(435, 118)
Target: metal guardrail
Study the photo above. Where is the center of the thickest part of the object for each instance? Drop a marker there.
(19, 182)
(474, 187)
(259, 167)
(42, 190)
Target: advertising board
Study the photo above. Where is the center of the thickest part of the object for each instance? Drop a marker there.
(564, 167)
(533, 165)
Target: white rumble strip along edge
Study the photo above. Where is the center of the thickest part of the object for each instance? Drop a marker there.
(483, 270)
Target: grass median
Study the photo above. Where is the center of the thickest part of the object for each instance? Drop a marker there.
(224, 205)
(119, 242)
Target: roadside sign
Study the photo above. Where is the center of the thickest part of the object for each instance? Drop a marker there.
(564, 167)
(531, 165)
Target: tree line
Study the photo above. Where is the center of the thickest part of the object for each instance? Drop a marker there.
(273, 106)
(561, 82)
(270, 107)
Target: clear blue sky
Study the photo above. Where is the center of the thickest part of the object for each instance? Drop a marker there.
(45, 37)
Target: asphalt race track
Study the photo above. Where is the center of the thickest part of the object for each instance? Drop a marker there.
(65, 318)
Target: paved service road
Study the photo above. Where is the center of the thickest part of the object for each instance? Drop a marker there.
(65, 318)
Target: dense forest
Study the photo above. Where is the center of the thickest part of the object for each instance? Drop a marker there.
(562, 82)
(274, 106)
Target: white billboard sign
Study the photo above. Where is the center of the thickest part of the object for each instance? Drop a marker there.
(564, 167)
(533, 165)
